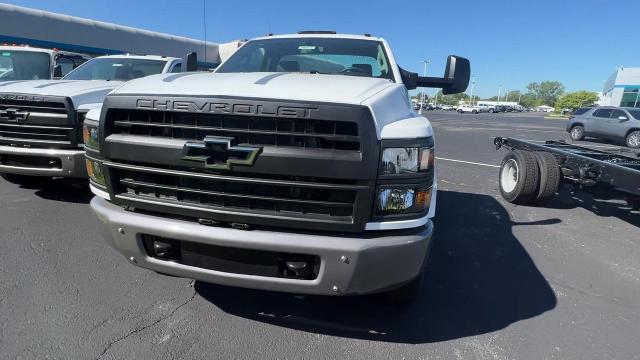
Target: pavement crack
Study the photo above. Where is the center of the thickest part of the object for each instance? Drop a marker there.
(143, 328)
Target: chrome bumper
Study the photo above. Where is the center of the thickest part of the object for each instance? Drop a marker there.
(368, 262)
(72, 162)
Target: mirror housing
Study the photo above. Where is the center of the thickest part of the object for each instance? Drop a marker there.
(456, 77)
(623, 118)
(190, 62)
(57, 71)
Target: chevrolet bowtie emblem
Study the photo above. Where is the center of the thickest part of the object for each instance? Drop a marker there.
(14, 114)
(220, 153)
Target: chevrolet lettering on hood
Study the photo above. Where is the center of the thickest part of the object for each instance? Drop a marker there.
(215, 107)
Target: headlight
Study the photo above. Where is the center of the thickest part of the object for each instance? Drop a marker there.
(94, 170)
(90, 137)
(392, 201)
(408, 160)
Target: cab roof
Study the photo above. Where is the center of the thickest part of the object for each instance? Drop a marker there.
(133, 56)
(320, 35)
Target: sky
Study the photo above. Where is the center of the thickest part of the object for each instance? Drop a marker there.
(510, 43)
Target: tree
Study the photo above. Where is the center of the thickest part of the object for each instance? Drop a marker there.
(547, 91)
(418, 97)
(576, 99)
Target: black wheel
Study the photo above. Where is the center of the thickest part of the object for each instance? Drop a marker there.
(519, 177)
(490, 111)
(577, 133)
(475, 111)
(549, 176)
(459, 111)
(26, 180)
(633, 139)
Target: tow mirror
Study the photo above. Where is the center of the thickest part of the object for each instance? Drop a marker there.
(57, 71)
(455, 80)
(190, 62)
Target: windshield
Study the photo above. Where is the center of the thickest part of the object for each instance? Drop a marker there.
(311, 55)
(119, 69)
(24, 65)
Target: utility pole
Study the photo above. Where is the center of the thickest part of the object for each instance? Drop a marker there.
(499, 93)
(204, 25)
(422, 100)
(506, 97)
(473, 84)
(519, 98)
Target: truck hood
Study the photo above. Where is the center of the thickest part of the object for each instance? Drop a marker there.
(282, 86)
(80, 91)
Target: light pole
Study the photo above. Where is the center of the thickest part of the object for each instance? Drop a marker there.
(426, 62)
(506, 96)
(473, 84)
(499, 93)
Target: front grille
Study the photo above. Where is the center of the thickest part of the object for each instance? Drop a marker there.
(252, 130)
(36, 123)
(292, 197)
(316, 171)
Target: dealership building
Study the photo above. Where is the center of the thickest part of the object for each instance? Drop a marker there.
(622, 88)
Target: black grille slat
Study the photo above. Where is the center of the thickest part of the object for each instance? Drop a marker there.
(250, 130)
(140, 184)
(34, 106)
(275, 197)
(260, 132)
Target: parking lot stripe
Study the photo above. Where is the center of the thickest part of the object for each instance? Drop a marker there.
(468, 162)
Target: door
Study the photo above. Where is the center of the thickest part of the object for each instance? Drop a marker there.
(616, 124)
(597, 124)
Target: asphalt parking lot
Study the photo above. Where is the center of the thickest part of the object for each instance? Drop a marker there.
(503, 282)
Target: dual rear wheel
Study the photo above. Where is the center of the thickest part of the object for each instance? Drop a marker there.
(529, 177)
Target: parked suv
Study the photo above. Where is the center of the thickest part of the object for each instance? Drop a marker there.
(606, 123)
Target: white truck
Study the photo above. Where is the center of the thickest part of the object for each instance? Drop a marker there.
(31, 63)
(41, 120)
(298, 166)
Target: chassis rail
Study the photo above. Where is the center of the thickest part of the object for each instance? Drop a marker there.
(586, 166)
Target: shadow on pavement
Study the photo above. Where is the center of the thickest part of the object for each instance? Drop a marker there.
(66, 190)
(479, 280)
(599, 203)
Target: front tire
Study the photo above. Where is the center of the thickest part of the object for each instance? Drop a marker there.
(519, 177)
(475, 111)
(633, 139)
(577, 133)
(490, 111)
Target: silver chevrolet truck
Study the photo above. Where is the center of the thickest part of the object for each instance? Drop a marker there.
(41, 120)
(298, 166)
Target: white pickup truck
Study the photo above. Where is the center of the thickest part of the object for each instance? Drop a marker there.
(298, 166)
(41, 120)
(31, 63)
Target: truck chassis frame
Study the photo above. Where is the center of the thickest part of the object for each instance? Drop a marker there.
(610, 172)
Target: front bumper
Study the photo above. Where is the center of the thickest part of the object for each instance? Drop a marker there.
(375, 261)
(66, 163)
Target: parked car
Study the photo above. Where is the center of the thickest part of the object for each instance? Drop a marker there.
(606, 123)
(473, 109)
(447, 107)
